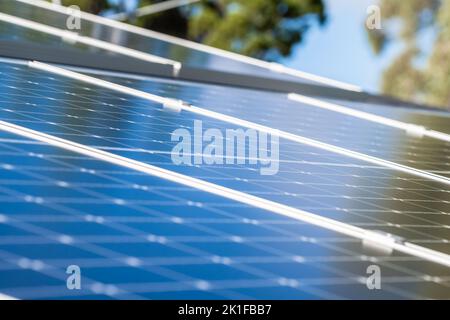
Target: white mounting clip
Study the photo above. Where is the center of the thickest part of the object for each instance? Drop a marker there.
(381, 241)
(176, 69)
(172, 105)
(70, 37)
(416, 131)
(276, 67)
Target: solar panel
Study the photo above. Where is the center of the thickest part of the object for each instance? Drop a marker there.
(186, 52)
(311, 179)
(300, 118)
(88, 179)
(165, 241)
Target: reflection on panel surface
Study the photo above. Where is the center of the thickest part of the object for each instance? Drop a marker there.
(140, 237)
(320, 182)
(187, 56)
(135, 236)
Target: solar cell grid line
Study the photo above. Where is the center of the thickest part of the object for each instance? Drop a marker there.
(106, 148)
(413, 233)
(426, 154)
(424, 228)
(61, 209)
(123, 161)
(18, 141)
(409, 128)
(235, 111)
(32, 90)
(16, 262)
(146, 34)
(262, 193)
(278, 208)
(395, 279)
(181, 106)
(422, 162)
(429, 166)
(328, 208)
(75, 37)
(110, 116)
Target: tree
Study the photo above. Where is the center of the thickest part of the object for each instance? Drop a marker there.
(407, 78)
(259, 28)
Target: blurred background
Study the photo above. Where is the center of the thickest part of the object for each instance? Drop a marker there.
(408, 58)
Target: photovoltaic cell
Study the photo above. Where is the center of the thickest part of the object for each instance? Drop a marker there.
(331, 185)
(138, 236)
(168, 241)
(274, 110)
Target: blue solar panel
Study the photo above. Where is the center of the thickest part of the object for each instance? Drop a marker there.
(162, 240)
(321, 182)
(139, 236)
(276, 111)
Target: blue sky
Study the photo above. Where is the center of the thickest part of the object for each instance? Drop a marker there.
(341, 50)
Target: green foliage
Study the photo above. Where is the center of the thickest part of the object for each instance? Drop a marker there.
(429, 83)
(256, 27)
(401, 79)
(378, 40)
(259, 28)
